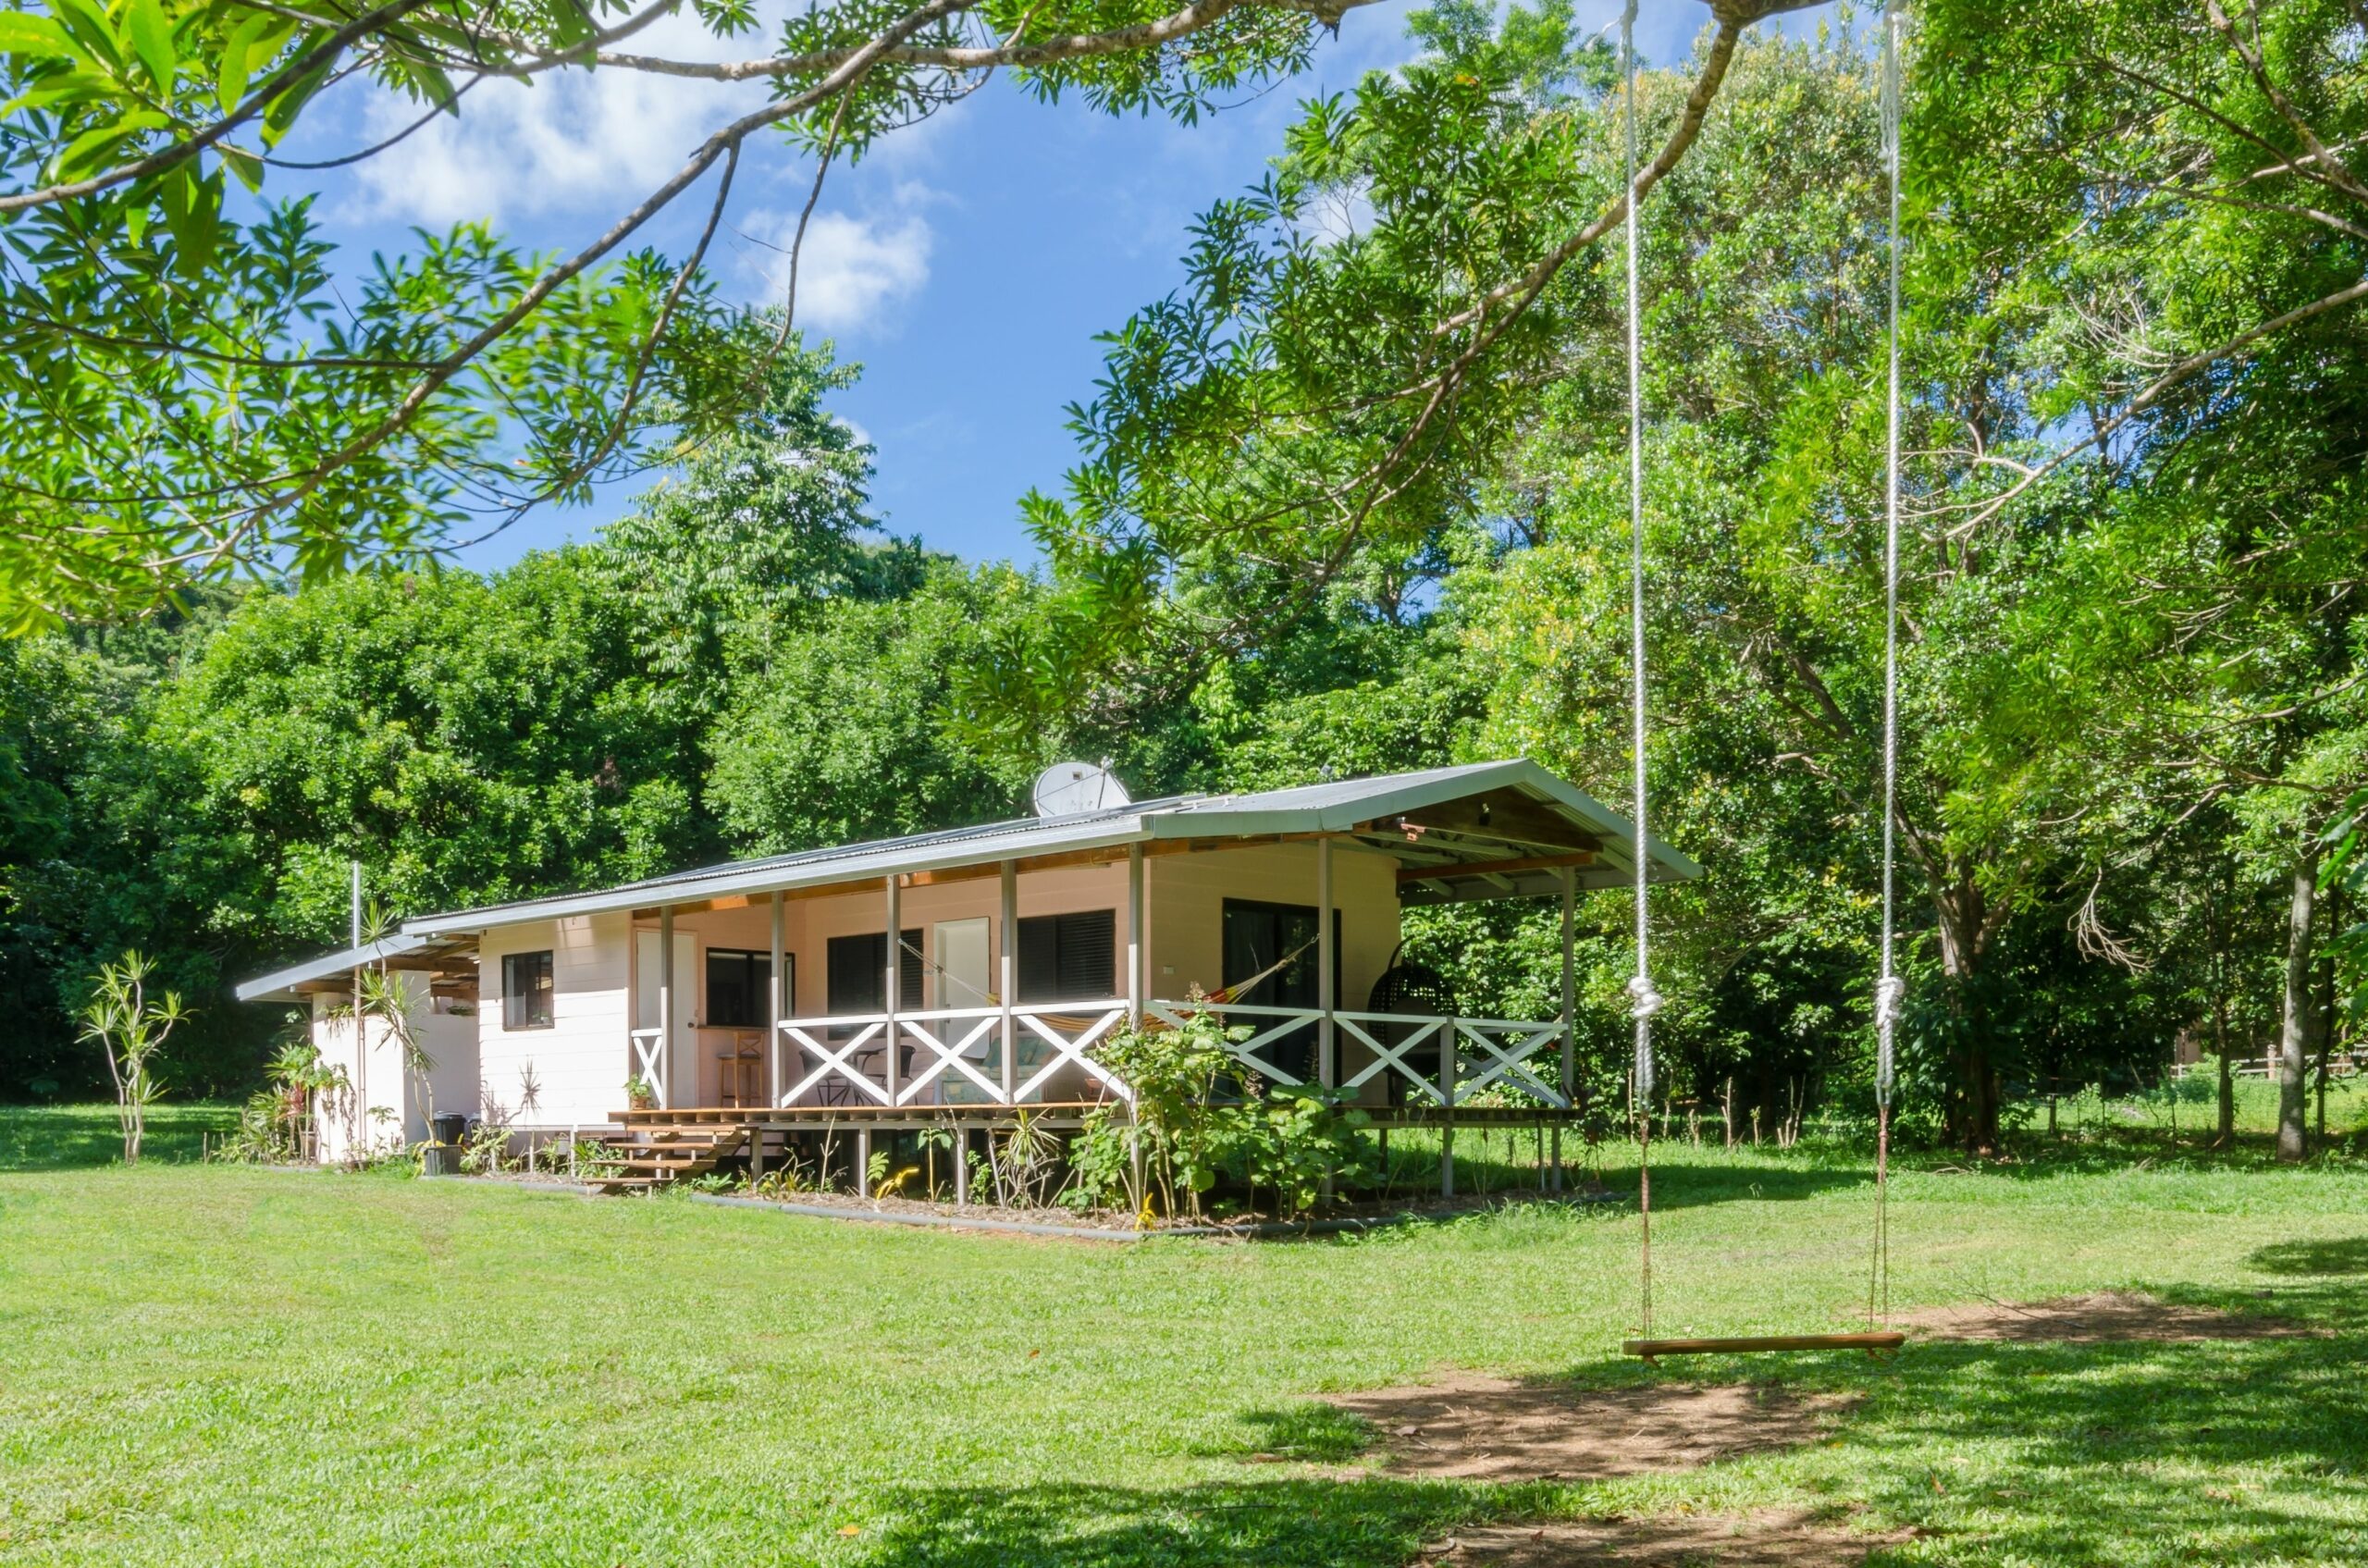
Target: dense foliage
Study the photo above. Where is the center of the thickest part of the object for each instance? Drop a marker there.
(2135, 680)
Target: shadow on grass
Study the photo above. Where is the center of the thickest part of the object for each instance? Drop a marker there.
(2233, 1450)
(1318, 1522)
(2346, 1255)
(71, 1137)
(1309, 1430)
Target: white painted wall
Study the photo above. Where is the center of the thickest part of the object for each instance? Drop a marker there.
(383, 1081)
(574, 1071)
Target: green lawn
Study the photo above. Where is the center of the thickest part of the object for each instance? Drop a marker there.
(209, 1364)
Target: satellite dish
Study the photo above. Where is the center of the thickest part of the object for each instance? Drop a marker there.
(1072, 789)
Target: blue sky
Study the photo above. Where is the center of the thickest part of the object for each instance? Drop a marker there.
(966, 264)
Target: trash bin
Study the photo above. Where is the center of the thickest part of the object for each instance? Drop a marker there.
(451, 1129)
(439, 1159)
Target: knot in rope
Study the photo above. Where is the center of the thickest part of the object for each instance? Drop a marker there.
(1888, 991)
(1644, 1000)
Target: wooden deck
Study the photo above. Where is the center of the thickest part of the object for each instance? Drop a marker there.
(1057, 1113)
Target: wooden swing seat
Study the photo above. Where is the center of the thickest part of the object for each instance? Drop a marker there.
(1876, 1344)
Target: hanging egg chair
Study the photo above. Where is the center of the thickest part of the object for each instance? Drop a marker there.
(1419, 990)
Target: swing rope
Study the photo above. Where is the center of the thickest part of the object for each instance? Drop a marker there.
(1644, 997)
(1645, 1000)
(1889, 987)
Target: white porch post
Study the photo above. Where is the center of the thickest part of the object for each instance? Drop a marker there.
(1569, 1009)
(1134, 936)
(1007, 976)
(776, 1009)
(664, 1054)
(1326, 1068)
(895, 980)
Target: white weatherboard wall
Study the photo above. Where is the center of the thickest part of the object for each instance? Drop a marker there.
(346, 1125)
(574, 1071)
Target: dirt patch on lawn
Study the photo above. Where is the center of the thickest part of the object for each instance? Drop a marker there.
(1476, 1428)
(1754, 1540)
(2106, 1317)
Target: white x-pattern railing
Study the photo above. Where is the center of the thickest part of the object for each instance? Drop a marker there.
(1472, 1053)
(848, 1052)
(649, 1061)
(949, 1044)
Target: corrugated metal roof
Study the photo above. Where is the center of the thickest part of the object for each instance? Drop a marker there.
(1330, 807)
(274, 987)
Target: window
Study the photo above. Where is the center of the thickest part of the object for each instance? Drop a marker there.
(1069, 957)
(857, 967)
(526, 989)
(739, 987)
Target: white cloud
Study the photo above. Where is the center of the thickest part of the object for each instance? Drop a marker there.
(855, 268)
(571, 141)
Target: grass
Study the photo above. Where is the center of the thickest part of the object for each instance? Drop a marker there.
(220, 1365)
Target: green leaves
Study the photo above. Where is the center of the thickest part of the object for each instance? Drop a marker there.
(23, 33)
(151, 37)
(253, 43)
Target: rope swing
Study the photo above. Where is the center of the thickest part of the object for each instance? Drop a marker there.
(1645, 998)
(1889, 988)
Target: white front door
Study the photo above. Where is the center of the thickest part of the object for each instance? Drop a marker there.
(964, 979)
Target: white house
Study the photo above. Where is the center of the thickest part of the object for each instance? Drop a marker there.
(767, 992)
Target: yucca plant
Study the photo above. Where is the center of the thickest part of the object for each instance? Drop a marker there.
(124, 1022)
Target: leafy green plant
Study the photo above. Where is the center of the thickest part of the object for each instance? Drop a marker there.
(279, 1121)
(485, 1150)
(131, 1029)
(1195, 1119)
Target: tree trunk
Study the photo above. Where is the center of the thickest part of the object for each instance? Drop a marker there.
(2323, 1019)
(2294, 1038)
(2220, 1027)
(1965, 929)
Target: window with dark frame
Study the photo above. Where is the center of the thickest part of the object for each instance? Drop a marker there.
(856, 971)
(739, 986)
(526, 989)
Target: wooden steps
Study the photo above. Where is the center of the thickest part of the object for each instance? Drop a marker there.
(657, 1157)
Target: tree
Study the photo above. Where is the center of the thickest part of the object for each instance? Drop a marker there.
(764, 522)
(1308, 400)
(129, 1029)
(184, 393)
(839, 723)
